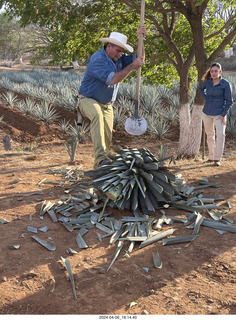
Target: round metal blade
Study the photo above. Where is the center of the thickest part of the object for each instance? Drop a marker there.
(135, 126)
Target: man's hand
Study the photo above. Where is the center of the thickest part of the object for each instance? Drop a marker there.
(138, 62)
(222, 119)
(142, 30)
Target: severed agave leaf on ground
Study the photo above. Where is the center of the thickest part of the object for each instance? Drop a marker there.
(179, 239)
(157, 260)
(67, 225)
(118, 250)
(132, 304)
(137, 238)
(230, 205)
(156, 237)
(219, 225)
(44, 208)
(80, 241)
(52, 214)
(198, 223)
(69, 270)
(14, 247)
(47, 244)
(215, 215)
(71, 251)
(43, 229)
(186, 208)
(32, 229)
(4, 221)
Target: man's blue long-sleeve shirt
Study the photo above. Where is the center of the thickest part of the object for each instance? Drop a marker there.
(98, 76)
(218, 99)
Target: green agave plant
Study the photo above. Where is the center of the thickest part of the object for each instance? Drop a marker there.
(158, 126)
(64, 125)
(9, 98)
(45, 112)
(231, 127)
(80, 132)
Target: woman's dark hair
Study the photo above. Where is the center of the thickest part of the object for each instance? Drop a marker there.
(207, 75)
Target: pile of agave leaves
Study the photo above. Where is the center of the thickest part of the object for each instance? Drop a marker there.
(139, 183)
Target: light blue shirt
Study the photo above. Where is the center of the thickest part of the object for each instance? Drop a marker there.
(98, 76)
(218, 99)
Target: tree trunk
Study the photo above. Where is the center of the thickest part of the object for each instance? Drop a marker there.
(190, 139)
(190, 122)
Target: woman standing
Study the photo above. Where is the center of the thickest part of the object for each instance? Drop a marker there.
(218, 99)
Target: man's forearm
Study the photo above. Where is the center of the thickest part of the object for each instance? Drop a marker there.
(121, 75)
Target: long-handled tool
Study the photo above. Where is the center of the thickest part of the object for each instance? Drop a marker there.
(136, 125)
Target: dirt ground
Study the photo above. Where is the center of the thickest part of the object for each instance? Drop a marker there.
(197, 278)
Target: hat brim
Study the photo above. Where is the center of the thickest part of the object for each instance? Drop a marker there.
(117, 43)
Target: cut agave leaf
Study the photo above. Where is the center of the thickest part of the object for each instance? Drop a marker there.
(43, 229)
(52, 214)
(215, 215)
(136, 238)
(69, 270)
(118, 250)
(219, 226)
(198, 223)
(67, 225)
(230, 205)
(47, 244)
(157, 260)
(32, 229)
(80, 241)
(179, 239)
(71, 251)
(156, 237)
(4, 221)
(14, 247)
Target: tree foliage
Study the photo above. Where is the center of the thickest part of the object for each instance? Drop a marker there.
(16, 41)
(76, 26)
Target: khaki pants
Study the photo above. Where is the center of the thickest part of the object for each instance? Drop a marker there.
(215, 131)
(101, 117)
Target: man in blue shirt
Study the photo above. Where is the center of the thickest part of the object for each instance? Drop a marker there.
(105, 70)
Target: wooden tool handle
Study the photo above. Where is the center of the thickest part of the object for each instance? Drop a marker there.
(140, 50)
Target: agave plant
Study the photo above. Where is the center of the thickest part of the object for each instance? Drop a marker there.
(231, 127)
(170, 114)
(9, 98)
(45, 112)
(158, 126)
(149, 99)
(64, 125)
(80, 132)
(71, 147)
(28, 106)
(121, 108)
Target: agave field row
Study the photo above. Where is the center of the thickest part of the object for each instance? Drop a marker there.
(159, 104)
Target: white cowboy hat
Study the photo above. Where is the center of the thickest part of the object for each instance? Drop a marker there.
(118, 39)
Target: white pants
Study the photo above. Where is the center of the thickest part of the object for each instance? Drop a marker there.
(215, 131)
